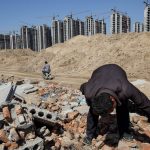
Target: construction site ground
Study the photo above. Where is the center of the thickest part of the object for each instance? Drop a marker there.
(71, 80)
(72, 64)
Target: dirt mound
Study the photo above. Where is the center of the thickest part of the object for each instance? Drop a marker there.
(16, 59)
(81, 55)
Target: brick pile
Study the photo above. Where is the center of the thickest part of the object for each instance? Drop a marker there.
(56, 120)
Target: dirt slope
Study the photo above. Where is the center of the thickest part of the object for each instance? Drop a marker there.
(81, 55)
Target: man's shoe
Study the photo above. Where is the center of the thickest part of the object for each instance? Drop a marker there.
(127, 137)
(87, 141)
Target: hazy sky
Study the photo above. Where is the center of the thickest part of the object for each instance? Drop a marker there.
(14, 13)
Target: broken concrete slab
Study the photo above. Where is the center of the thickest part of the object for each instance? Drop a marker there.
(6, 92)
(20, 90)
(31, 90)
(24, 89)
(34, 144)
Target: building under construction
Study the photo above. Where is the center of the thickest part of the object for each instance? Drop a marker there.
(89, 26)
(99, 26)
(138, 27)
(10, 41)
(147, 17)
(43, 37)
(25, 37)
(15, 41)
(79, 25)
(35, 37)
(120, 22)
(4, 41)
(57, 34)
(69, 27)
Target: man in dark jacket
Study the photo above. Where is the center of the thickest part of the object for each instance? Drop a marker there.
(109, 88)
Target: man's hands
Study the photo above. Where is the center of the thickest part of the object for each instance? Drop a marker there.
(87, 140)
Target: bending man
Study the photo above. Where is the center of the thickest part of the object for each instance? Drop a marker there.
(109, 88)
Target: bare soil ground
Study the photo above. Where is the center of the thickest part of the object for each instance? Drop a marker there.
(72, 62)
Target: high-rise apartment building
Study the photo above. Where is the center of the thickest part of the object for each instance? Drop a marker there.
(69, 27)
(57, 31)
(43, 37)
(120, 23)
(137, 27)
(4, 41)
(25, 37)
(89, 26)
(40, 43)
(15, 41)
(147, 18)
(79, 26)
(10, 41)
(34, 41)
(99, 26)
(142, 27)
(35, 37)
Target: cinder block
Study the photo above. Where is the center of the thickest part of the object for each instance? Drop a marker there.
(42, 115)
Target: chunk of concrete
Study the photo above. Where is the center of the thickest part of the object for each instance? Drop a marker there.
(83, 109)
(65, 112)
(36, 144)
(6, 92)
(24, 87)
(31, 90)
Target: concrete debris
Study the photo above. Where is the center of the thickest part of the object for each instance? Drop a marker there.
(6, 92)
(55, 118)
(25, 89)
(34, 144)
(42, 115)
(43, 131)
(82, 109)
(4, 79)
(73, 104)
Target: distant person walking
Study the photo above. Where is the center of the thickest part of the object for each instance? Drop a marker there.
(46, 70)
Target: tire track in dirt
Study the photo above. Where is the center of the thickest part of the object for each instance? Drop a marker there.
(62, 79)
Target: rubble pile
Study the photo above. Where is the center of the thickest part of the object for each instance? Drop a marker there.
(47, 116)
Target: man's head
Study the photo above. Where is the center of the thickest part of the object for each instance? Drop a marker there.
(103, 104)
(46, 62)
